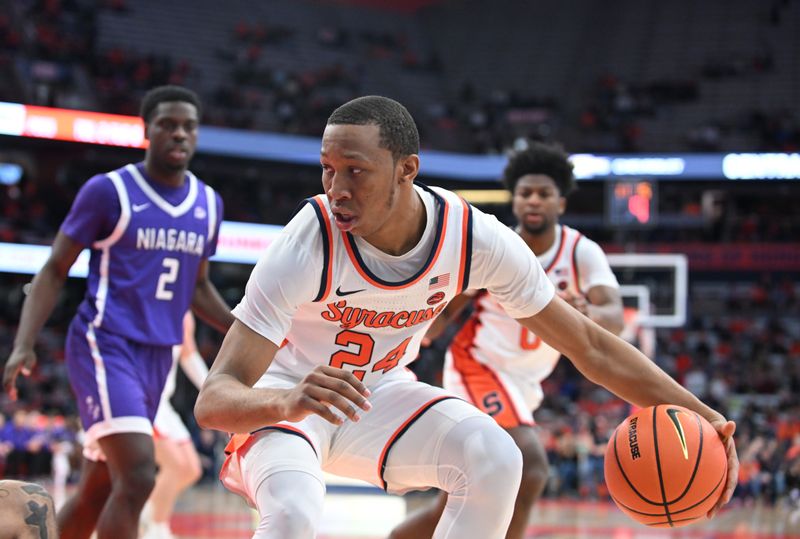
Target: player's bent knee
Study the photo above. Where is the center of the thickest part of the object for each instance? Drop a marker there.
(534, 480)
(195, 473)
(505, 458)
(137, 481)
(290, 504)
(189, 471)
(289, 518)
(489, 459)
(535, 474)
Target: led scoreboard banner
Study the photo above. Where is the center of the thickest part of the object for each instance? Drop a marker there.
(631, 203)
(71, 125)
(18, 120)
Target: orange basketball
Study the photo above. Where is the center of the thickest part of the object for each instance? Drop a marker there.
(665, 466)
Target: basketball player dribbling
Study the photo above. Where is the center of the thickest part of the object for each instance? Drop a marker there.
(151, 227)
(311, 374)
(497, 364)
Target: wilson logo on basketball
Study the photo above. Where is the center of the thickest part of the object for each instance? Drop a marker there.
(436, 298)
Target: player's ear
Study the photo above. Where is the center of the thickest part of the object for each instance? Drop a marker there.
(408, 167)
(562, 205)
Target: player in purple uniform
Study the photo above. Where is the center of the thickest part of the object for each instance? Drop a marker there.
(151, 228)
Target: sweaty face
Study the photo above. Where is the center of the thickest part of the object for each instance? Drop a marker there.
(537, 203)
(359, 178)
(172, 131)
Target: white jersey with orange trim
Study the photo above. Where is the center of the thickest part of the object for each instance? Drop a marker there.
(337, 300)
(331, 298)
(491, 337)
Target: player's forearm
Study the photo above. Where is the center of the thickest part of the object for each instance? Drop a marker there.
(195, 368)
(453, 309)
(208, 304)
(227, 405)
(608, 316)
(38, 305)
(626, 372)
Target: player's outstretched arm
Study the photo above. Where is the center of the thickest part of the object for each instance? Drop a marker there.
(228, 401)
(207, 302)
(37, 307)
(611, 362)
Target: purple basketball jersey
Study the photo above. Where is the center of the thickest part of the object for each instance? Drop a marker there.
(142, 273)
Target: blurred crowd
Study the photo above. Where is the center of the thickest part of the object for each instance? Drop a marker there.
(31, 211)
(53, 47)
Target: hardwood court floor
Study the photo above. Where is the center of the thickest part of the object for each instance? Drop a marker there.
(210, 512)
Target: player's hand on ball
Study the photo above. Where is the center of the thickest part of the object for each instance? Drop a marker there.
(322, 388)
(726, 429)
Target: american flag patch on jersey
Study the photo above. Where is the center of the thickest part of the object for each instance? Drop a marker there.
(440, 281)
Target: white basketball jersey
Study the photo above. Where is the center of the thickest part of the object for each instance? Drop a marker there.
(494, 338)
(371, 326)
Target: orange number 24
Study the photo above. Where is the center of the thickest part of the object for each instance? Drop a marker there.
(363, 355)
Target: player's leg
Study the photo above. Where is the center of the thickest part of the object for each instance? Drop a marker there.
(178, 468)
(454, 447)
(534, 478)
(417, 436)
(131, 465)
(26, 511)
(421, 523)
(501, 395)
(61, 471)
(282, 478)
(117, 400)
(78, 517)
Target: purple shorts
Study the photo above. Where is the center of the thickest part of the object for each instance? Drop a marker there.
(117, 382)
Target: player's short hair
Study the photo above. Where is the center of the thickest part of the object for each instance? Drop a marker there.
(540, 158)
(167, 93)
(397, 129)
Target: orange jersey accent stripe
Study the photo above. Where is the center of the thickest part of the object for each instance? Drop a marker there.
(325, 219)
(465, 247)
(574, 262)
(481, 382)
(238, 440)
(373, 282)
(401, 430)
(558, 253)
